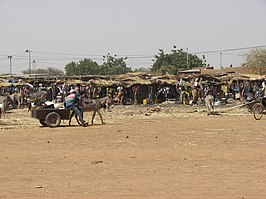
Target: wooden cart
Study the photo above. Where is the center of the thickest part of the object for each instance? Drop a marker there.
(50, 117)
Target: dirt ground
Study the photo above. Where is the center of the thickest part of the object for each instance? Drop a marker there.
(141, 152)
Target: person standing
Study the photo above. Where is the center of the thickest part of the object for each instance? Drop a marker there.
(120, 94)
(71, 102)
(78, 90)
(65, 89)
(264, 87)
(184, 96)
(135, 90)
(195, 92)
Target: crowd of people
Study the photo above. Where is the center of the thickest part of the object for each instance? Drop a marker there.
(180, 91)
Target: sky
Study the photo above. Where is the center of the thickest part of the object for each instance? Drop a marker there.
(57, 32)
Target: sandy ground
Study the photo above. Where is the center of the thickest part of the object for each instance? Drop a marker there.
(141, 152)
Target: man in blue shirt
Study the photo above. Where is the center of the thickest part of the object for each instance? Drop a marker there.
(71, 102)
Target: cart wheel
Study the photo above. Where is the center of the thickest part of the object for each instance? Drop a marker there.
(258, 111)
(52, 119)
(42, 122)
(252, 108)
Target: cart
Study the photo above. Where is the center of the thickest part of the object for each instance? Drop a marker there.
(50, 117)
(259, 107)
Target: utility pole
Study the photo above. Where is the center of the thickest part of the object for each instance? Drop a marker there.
(187, 58)
(221, 60)
(34, 66)
(28, 51)
(10, 64)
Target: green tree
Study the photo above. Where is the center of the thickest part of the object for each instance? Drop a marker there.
(162, 59)
(177, 60)
(88, 67)
(113, 65)
(83, 67)
(71, 68)
(256, 61)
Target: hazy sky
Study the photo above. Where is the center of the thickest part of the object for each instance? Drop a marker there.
(60, 31)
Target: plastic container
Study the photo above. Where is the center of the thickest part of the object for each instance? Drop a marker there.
(144, 101)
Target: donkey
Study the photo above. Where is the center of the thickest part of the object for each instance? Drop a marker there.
(2, 110)
(38, 98)
(38, 95)
(209, 102)
(93, 105)
(17, 100)
(3, 102)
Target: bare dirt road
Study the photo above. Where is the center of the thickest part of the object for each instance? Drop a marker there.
(157, 152)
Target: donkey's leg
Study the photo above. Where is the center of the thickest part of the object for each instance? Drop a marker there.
(93, 115)
(18, 103)
(2, 111)
(100, 115)
(212, 109)
(208, 109)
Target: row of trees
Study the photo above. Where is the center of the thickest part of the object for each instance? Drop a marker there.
(49, 71)
(112, 65)
(163, 63)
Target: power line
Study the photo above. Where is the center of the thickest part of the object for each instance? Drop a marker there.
(230, 49)
(75, 54)
(131, 58)
(233, 54)
(86, 55)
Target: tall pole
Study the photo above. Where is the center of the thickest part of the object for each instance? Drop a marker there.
(10, 65)
(34, 66)
(221, 60)
(28, 51)
(187, 58)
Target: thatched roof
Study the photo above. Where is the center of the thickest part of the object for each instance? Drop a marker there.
(240, 77)
(4, 84)
(130, 79)
(241, 70)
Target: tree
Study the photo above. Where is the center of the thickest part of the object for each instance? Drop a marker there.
(142, 69)
(71, 68)
(83, 67)
(175, 61)
(48, 71)
(88, 67)
(162, 59)
(54, 72)
(37, 71)
(113, 65)
(256, 61)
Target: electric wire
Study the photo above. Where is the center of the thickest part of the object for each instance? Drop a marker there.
(140, 59)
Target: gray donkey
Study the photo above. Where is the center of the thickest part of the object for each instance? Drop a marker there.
(209, 102)
(93, 105)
